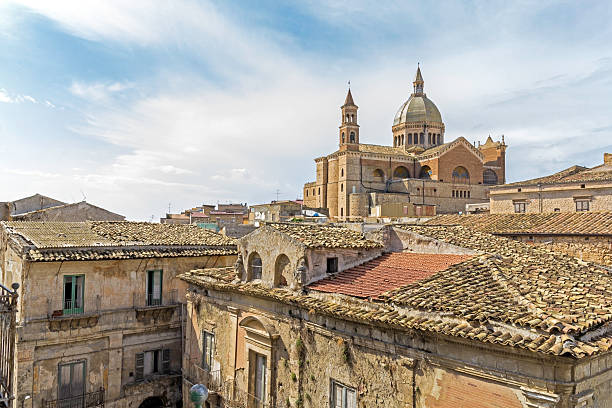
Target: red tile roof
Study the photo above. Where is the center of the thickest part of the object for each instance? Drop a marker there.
(387, 272)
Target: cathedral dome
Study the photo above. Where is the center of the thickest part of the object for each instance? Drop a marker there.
(418, 108)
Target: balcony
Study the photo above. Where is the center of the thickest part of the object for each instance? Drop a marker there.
(153, 308)
(91, 399)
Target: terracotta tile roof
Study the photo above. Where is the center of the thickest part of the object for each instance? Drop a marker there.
(555, 342)
(580, 223)
(324, 236)
(53, 241)
(570, 175)
(517, 283)
(387, 272)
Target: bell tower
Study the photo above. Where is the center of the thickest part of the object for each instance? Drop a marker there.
(349, 129)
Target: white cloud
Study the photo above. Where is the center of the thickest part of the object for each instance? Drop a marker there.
(5, 97)
(97, 91)
(276, 107)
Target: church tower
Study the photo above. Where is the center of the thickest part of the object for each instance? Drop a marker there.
(349, 129)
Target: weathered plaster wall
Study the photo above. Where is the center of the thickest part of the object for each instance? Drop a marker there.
(387, 368)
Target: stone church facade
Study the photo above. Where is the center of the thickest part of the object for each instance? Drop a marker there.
(419, 167)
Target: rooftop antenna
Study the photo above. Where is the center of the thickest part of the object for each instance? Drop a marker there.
(152, 216)
(169, 204)
(277, 194)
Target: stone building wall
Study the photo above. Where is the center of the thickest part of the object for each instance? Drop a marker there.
(551, 198)
(386, 367)
(114, 326)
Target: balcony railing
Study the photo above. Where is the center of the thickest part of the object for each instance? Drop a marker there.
(8, 310)
(154, 299)
(91, 399)
(72, 307)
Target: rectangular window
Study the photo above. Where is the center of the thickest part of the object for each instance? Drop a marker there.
(343, 396)
(154, 288)
(152, 362)
(208, 349)
(520, 207)
(74, 291)
(71, 384)
(582, 205)
(259, 377)
(332, 265)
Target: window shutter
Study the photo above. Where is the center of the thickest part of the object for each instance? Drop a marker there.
(166, 361)
(139, 366)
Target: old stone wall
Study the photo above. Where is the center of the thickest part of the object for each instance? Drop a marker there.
(385, 367)
(115, 325)
(551, 198)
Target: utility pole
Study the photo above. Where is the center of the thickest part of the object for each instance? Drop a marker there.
(277, 194)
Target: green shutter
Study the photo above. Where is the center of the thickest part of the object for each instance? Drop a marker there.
(139, 366)
(166, 361)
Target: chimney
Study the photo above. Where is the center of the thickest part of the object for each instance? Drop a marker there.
(608, 158)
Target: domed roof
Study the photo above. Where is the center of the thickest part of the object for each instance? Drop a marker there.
(418, 108)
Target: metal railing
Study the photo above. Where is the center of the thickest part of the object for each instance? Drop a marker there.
(90, 399)
(154, 299)
(168, 298)
(72, 307)
(8, 320)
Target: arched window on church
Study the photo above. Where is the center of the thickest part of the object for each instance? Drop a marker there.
(352, 118)
(343, 137)
(352, 139)
(409, 138)
(422, 138)
(341, 172)
(378, 176)
(461, 175)
(489, 177)
(394, 141)
(425, 172)
(439, 140)
(429, 138)
(347, 118)
(341, 187)
(402, 140)
(306, 193)
(401, 173)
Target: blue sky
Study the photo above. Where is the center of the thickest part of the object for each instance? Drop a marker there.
(136, 105)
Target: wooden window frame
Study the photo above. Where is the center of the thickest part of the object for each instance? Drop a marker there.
(164, 368)
(208, 353)
(334, 264)
(334, 385)
(73, 310)
(71, 364)
(520, 207)
(150, 291)
(583, 205)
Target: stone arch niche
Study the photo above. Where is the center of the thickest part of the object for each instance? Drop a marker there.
(282, 270)
(401, 172)
(254, 266)
(378, 176)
